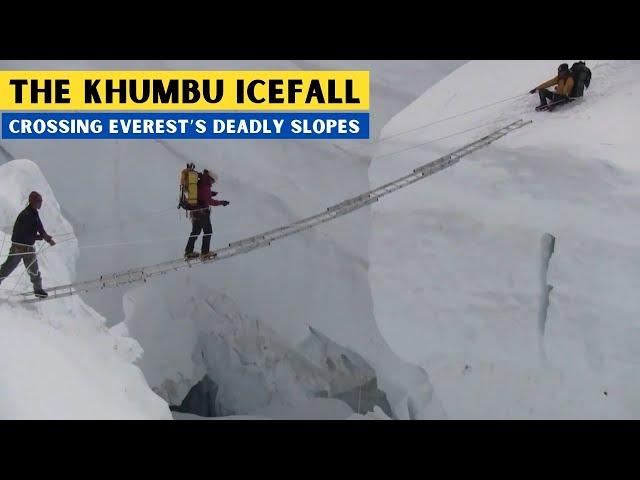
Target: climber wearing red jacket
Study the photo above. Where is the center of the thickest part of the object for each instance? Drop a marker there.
(201, 216)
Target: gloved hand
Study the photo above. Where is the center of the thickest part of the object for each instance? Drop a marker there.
(533, 91)
(225, 203)
(213, 194)
(49, 240)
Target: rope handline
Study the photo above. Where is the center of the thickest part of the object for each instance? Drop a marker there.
(411, 147)
(142, 273)
(384, 139)
(377, 142)
(146, 241)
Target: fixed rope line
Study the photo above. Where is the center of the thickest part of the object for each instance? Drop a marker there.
(146, 241)
(141, 274)
(143, 241)
(132, 242)
(142, 219)
(129, 242)
(434, 140)
(381, 140)
(258, 241)
(426, 125)
(435, 122)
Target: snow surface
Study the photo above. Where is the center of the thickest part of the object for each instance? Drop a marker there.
(455, 259)
(59, 361)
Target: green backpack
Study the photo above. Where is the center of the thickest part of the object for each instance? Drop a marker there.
(581, 78)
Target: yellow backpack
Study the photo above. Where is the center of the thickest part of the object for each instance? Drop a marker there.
(188, 187)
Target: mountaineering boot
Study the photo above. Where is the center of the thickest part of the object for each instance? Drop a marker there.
(208, 256)
(37, 286)
(191, 256)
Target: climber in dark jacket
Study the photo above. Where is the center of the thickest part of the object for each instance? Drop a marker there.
(201, 216)
(26, 231)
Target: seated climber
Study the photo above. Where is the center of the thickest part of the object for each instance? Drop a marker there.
(564, 83)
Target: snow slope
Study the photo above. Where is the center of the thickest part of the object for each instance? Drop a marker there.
(59, 361)
(455, 258)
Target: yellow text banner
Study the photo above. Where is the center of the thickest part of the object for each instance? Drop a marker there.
(184, 90)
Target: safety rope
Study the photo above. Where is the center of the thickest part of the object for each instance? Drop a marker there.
(182, 237)
(145, 217)
(366, 146)
(435, 122)
(138, 220)
(426, 125)
(434, 140)
(141, 274)
(73, 237)
(132, 242)
(21, 244)
(147, 241)
(22, 254)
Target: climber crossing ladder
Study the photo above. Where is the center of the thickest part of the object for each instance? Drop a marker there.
(141, 274)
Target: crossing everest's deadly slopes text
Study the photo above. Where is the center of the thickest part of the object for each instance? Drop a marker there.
(159, 126)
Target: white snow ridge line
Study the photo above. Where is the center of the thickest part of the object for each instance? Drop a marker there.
(264, 239)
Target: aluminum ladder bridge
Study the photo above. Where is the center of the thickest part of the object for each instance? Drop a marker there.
(141, 274)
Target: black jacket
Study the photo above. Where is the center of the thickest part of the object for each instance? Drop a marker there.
(28, 227)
